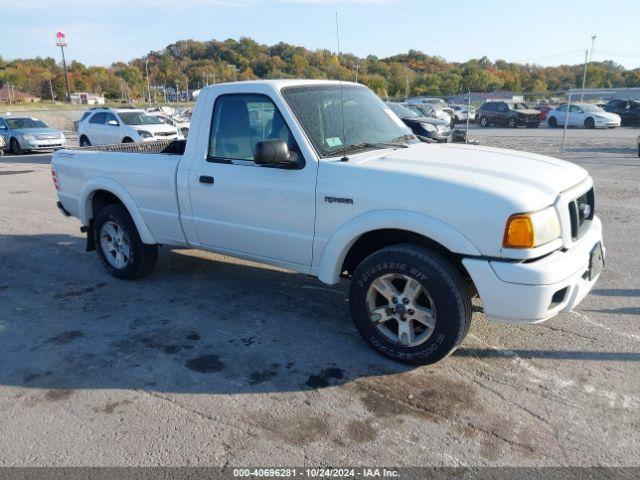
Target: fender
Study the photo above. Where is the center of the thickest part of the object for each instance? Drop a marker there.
(341, 241)
(111, 186)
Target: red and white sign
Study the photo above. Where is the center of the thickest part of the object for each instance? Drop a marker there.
(61, 39)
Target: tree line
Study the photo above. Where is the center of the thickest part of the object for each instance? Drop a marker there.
(192, 64)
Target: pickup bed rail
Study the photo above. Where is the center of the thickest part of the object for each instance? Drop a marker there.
(169, 147)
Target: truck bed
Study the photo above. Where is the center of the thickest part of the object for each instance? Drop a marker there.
(141, 173)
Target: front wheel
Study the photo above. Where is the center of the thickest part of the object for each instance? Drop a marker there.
(553, 123)
(484, 122)
(14, 147)
(589, 123)
(512, 123)
(84, 141)
(119, 246)
(410, 304)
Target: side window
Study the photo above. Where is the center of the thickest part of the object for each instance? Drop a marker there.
(502, 107)
(3, 125)
(575, 109)
(240, 122)
(99, 118)
(562, 108)
(109, 117)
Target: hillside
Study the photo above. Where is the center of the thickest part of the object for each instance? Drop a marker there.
(198, 63)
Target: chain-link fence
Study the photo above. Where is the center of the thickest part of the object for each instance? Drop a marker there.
(574, 122)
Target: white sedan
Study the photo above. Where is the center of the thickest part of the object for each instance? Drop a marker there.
(582, 115)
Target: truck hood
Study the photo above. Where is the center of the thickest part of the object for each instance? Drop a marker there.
(528, 111)
(472, 189)
(36, 131)
(527, 178)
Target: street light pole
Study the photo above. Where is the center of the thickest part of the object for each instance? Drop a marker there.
(66, 74)
(587, 61)
(146, 67)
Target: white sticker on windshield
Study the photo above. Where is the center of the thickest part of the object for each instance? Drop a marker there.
(333, 141)
(394, 117)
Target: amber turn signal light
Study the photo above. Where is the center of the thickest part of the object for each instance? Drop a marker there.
(519, 232)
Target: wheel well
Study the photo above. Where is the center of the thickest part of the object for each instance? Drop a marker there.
(375, 240)
(127, 140)
(100, 199)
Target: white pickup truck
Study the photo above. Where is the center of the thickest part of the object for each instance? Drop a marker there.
(322, 178)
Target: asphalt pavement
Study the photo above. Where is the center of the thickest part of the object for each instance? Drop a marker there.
(218, 361)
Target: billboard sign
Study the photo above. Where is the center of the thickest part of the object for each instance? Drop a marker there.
(61, 39)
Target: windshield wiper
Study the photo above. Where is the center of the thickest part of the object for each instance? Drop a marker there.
(402, 138)
(365, 145)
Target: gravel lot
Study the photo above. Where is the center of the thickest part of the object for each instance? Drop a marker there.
(216, 361)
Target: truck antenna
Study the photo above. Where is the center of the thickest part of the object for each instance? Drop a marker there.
(344, 140)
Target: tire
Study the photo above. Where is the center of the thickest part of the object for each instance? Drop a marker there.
(512, 123)
(127, 140)
(14, 147)
(84, 141)
(589, 123)
(484, 122)
(139, 258)
(553, 122)
(455, 120)
(533, 125)
(442, 291)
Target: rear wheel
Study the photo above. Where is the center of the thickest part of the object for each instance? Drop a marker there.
(410, 304)
(553, 123)
(14, 147)
(511, 123)
(484, 122)
(589, 123)
(119, 246)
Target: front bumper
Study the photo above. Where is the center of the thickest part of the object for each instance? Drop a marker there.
(532, 292)
(44, 144)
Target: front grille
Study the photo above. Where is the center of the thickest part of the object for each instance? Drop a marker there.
(581, 211)
(47, 136)
(165, 134)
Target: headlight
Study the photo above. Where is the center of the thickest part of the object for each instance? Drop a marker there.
(528, 230)
(28, 138)
(428, 127)
(145, 134)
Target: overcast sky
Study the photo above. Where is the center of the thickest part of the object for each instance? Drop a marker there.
(547, 32)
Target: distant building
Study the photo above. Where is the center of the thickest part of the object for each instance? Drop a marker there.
(8, 94)
(84, 98)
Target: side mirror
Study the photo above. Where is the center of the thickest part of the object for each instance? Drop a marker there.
(113, 123)
(274, 152)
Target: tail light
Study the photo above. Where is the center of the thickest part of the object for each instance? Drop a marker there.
(54, 176)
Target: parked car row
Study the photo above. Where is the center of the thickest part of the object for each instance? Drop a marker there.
(106, 126)
(425, 127)
(504, 113)
(24, 134)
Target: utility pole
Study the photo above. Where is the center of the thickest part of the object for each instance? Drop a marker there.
(587, 59)
(146, 67)
(51, 90)
(61, 41)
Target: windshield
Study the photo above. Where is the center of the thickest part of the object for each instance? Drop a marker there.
(402, 111)
(22, 123)
(590, 108)
(415, 109)
(138, 118)
(318, 109)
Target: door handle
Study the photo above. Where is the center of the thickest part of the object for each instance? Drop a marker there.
(205, 179)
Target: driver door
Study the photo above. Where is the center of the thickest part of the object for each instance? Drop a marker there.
(239, 206)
